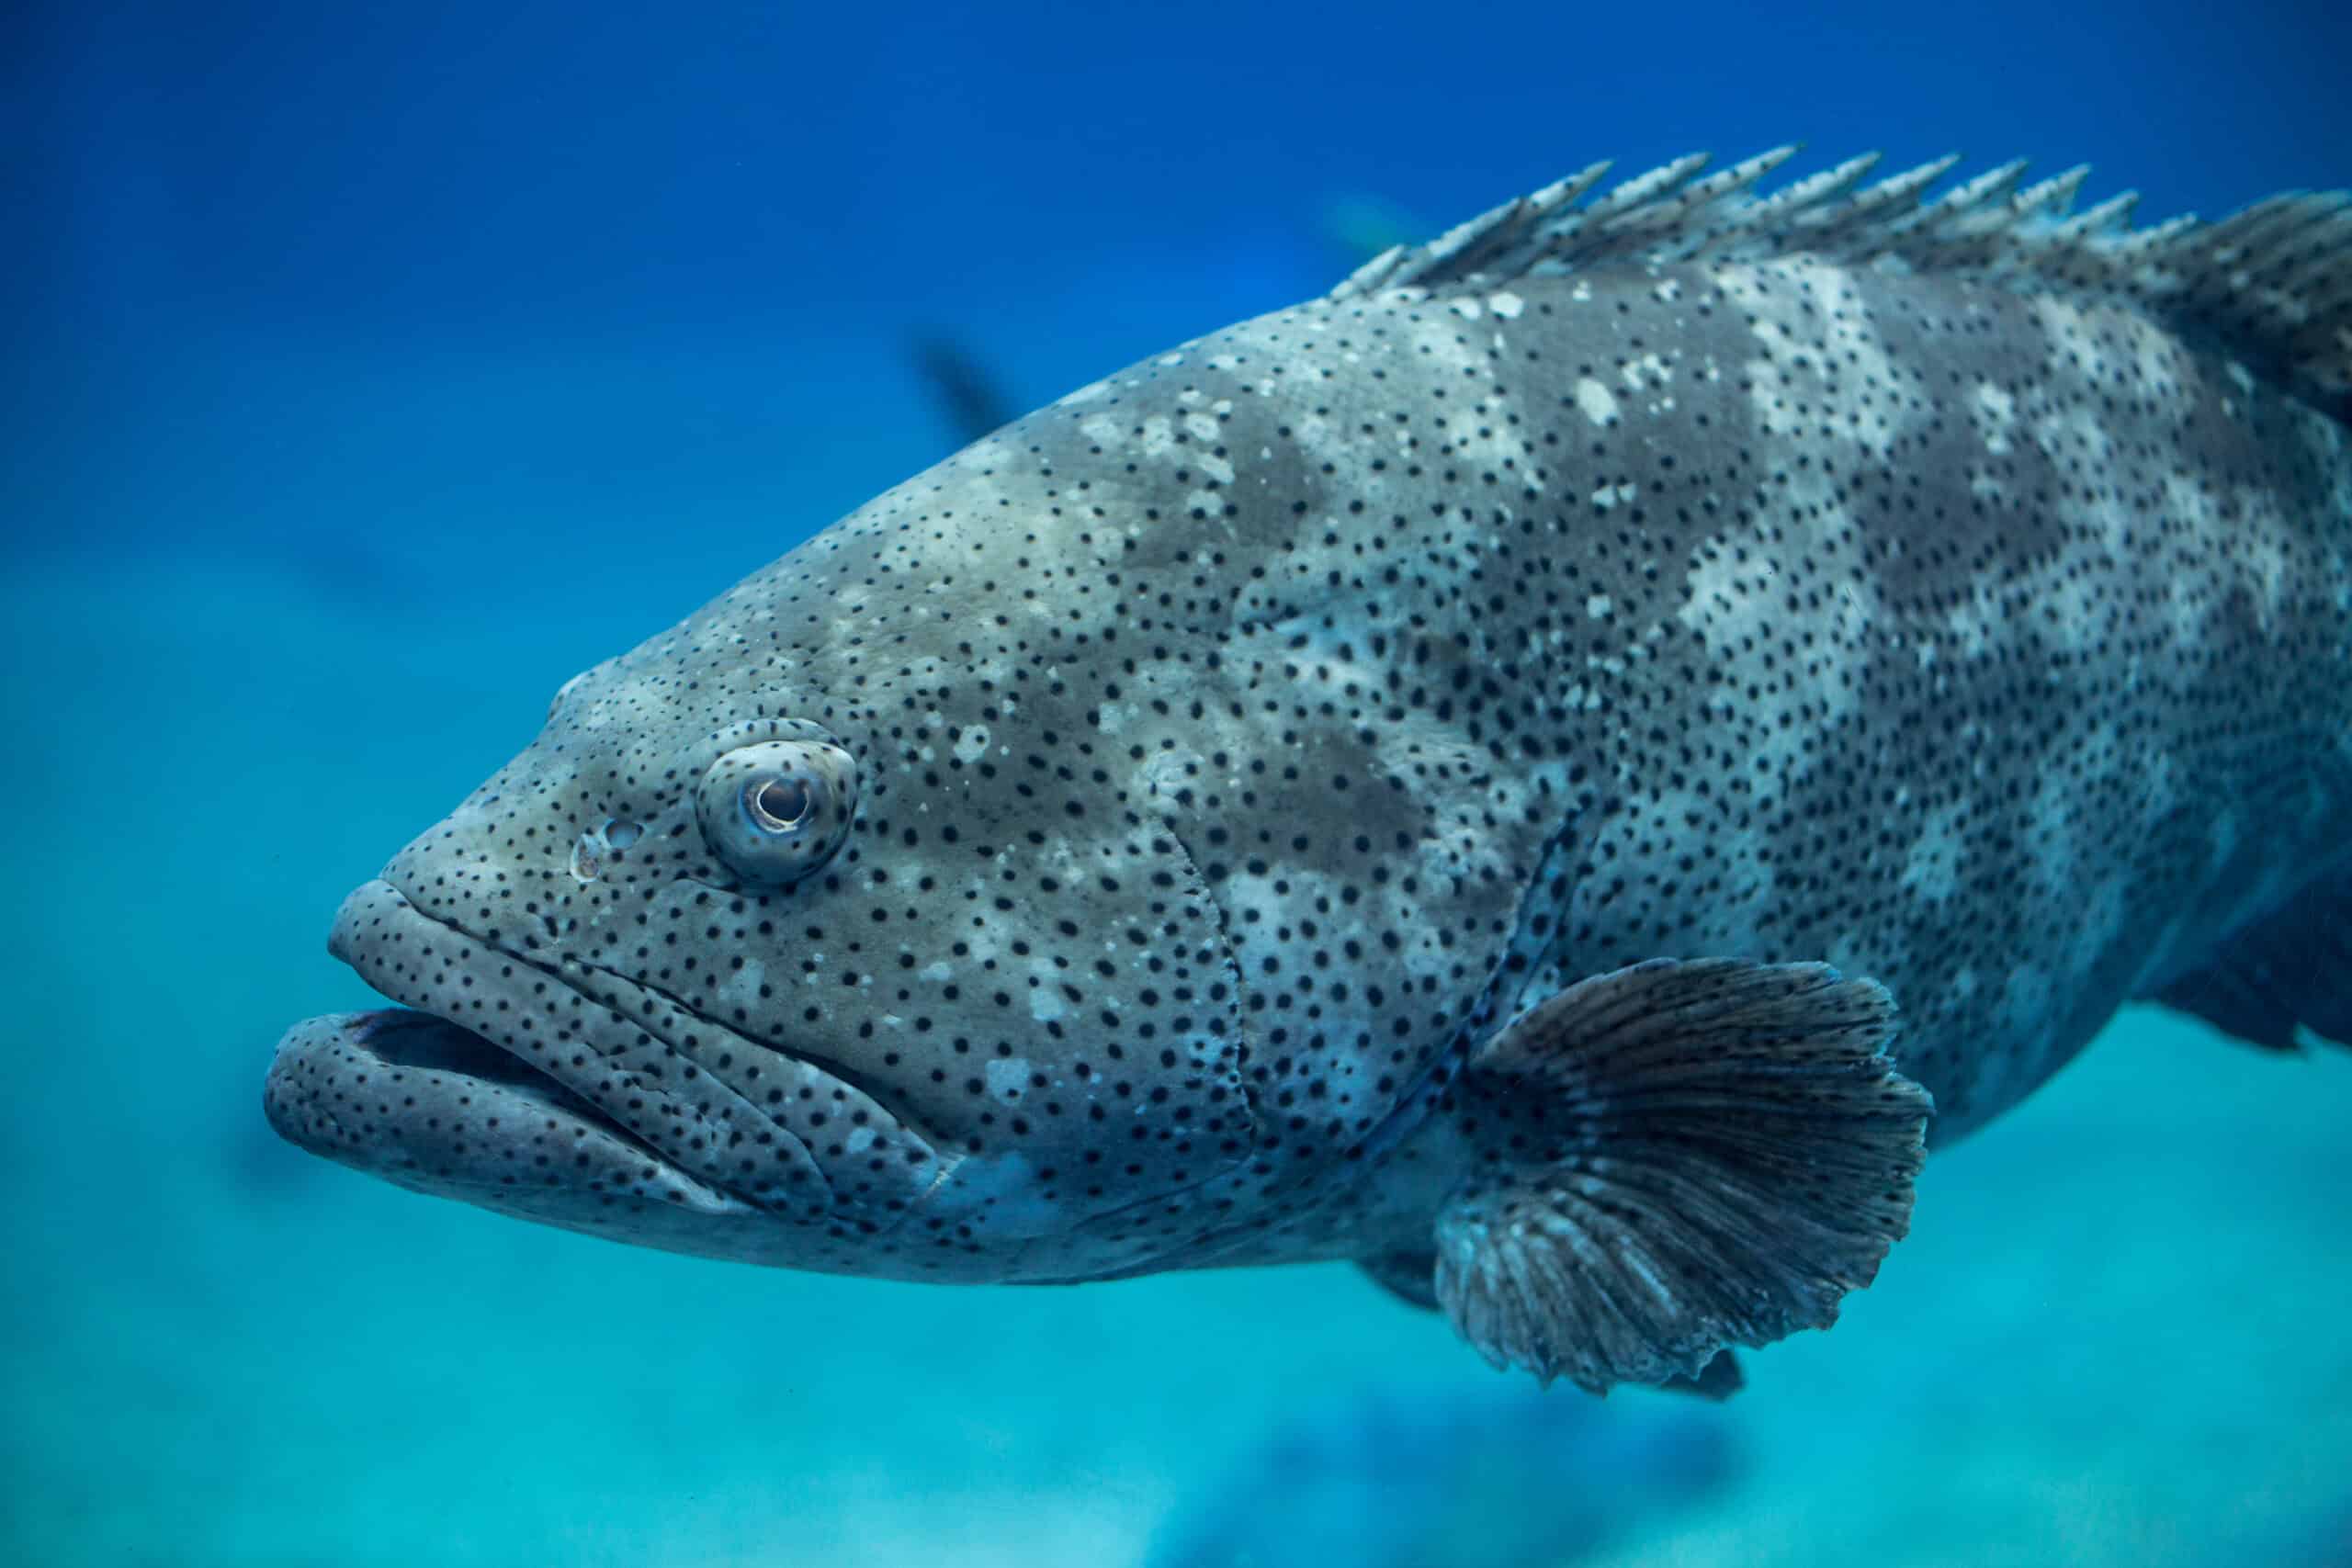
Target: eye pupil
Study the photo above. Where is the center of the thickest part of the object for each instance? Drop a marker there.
(780, 803)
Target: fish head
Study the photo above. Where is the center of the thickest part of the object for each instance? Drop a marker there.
(829, 928)
(1084, 859)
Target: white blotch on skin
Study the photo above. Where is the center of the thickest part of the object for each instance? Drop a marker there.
(1006, 1076)
(1647, 370)
(1995, 414)
(2084, 343)
(741, 988)
(1933, 869)
(1782, 379)
(999, 1192)
(1598, 403)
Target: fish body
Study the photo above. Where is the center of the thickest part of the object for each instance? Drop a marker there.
(1541, 772)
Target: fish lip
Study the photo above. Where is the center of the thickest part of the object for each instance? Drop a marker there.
(376, 1029)
(400, 1043)
(413, 998)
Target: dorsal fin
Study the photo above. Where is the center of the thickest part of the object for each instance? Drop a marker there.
(2271, 286)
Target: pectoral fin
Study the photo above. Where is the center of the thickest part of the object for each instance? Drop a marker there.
(1675, 1158)
(1411, 1278)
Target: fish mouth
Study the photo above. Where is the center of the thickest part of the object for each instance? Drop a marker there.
(560, 1092)
(432, 1106)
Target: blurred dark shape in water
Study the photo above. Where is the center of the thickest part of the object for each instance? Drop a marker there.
(2330, 1543)
(2308, 1531)
(344, 569)
(2322, 1540)
(1502, 1477)
(968, 397)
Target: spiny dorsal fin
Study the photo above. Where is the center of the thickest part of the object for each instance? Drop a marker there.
(2271, 286)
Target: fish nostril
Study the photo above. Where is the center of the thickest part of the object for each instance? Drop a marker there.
(590, 850)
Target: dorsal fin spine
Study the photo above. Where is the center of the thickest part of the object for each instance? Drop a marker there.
(2271, 285)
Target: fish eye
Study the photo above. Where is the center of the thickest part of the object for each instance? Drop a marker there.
(777, 811)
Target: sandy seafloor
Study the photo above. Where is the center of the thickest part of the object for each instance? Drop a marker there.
(2117, 1334)
(403, 394)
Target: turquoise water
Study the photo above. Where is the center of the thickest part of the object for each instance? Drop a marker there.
(372, 380)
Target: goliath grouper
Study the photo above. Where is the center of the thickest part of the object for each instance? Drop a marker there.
(1528, 772)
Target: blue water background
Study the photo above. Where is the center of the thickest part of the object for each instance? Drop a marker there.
(372, 370)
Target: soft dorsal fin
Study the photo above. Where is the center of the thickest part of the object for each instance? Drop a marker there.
(2271, 286)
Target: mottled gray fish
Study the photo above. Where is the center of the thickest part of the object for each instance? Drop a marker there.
(1459, 774)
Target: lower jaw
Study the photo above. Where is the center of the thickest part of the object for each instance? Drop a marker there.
(385, 1092)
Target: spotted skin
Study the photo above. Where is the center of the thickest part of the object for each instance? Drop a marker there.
(1243, 738)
